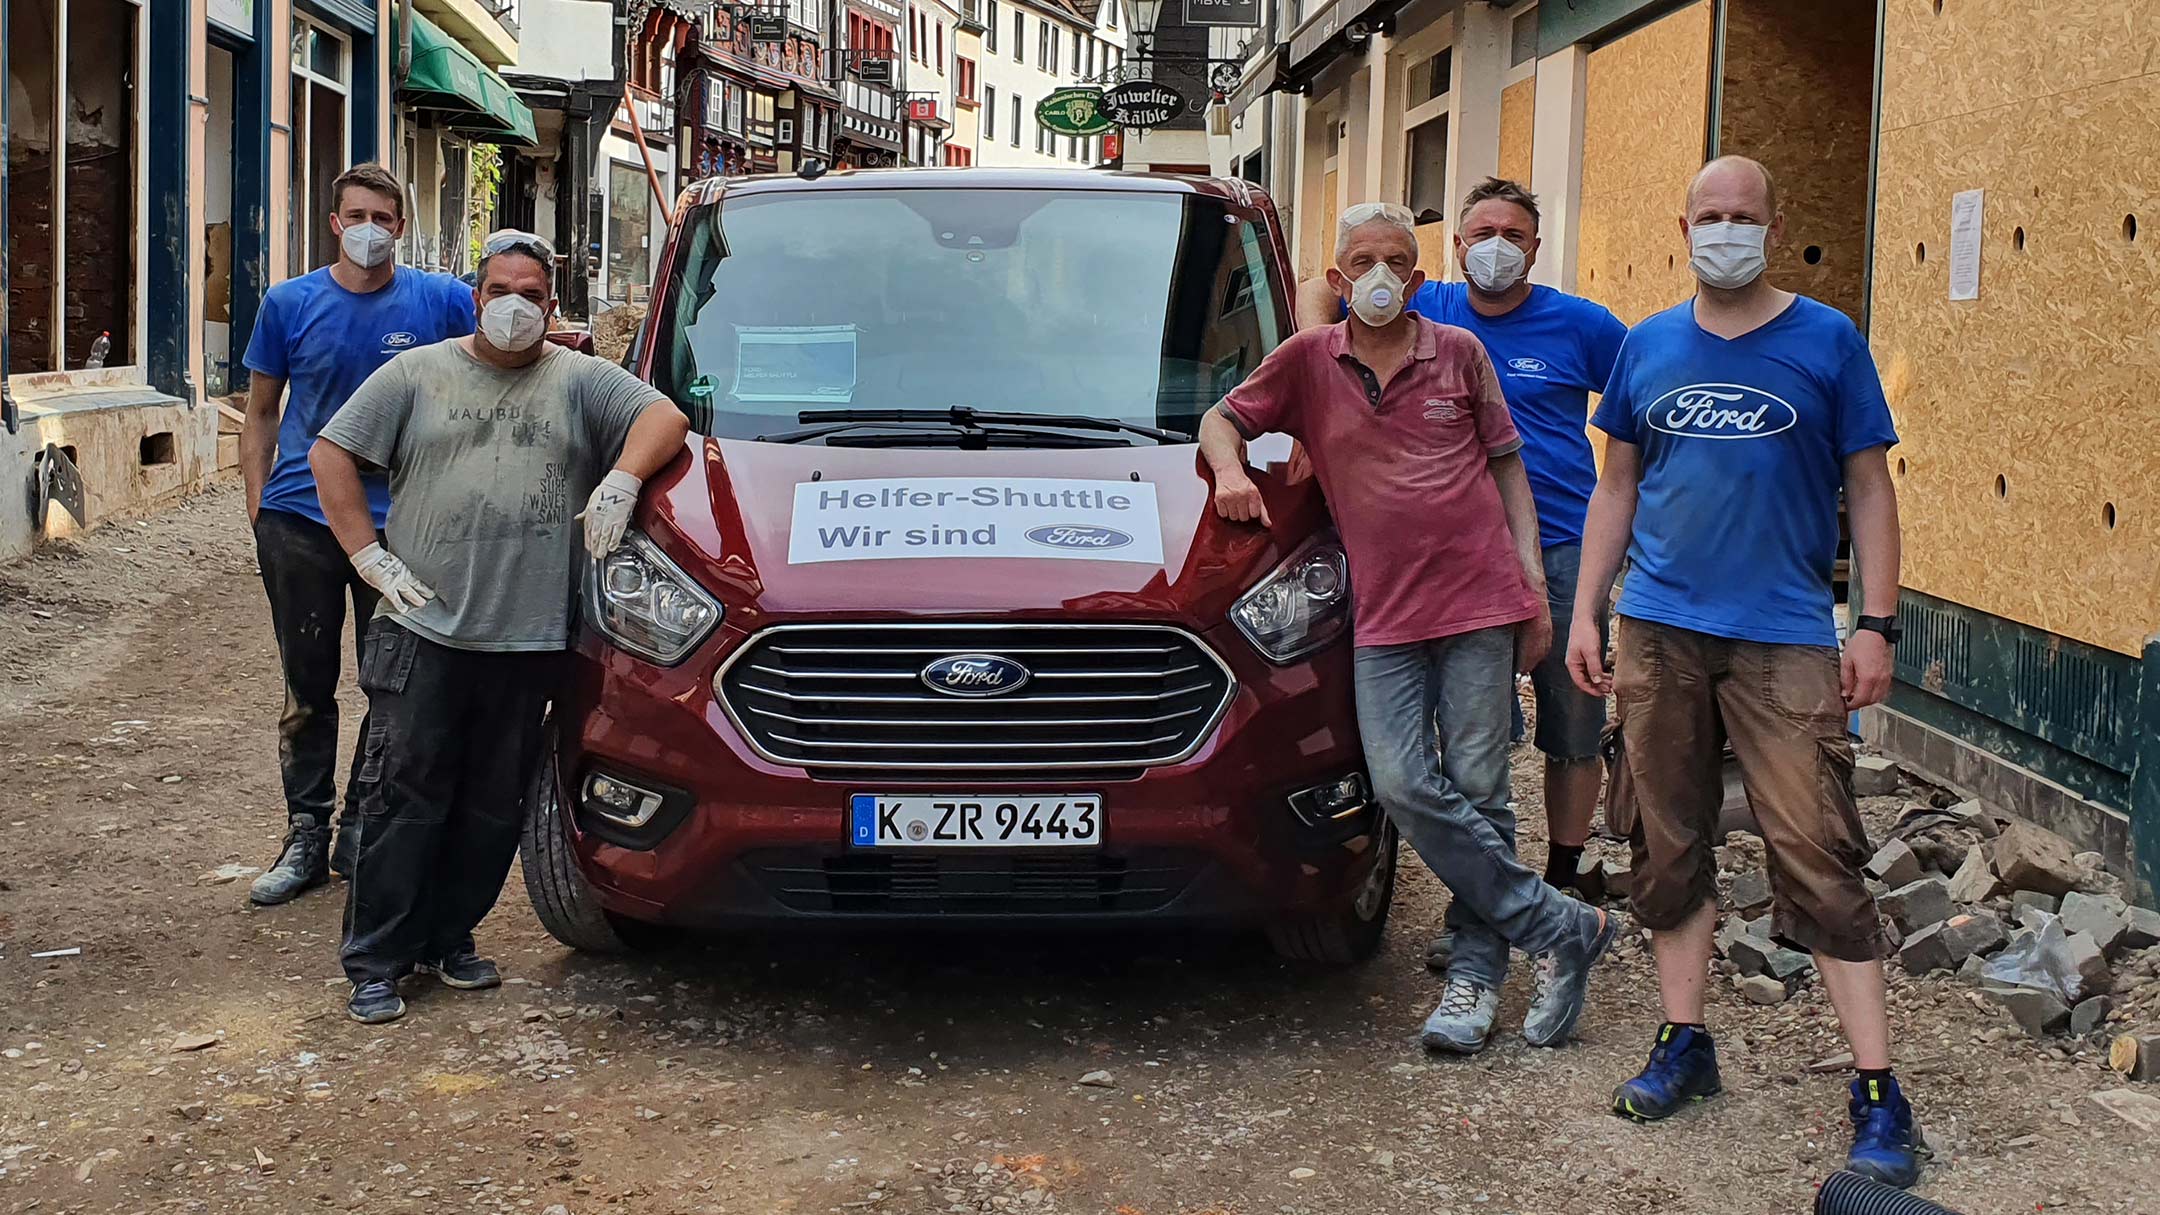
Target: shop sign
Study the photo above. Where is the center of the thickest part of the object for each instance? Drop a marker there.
(768, 27)
(922, 109)
(874, 71)
(1076, 111)
(1142, 104)
(1234, 14)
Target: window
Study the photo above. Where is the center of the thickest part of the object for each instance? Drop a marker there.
(629, 232)
(1042, 137)
(1428, 169)
(809, 14)
(989, 114)
(1051, 65)
(320, 148)
(990, 27)
(1015, 135)
(1254, 169)
(1090, 69)
(1043, 52)
(1112, 10)
(72, 236)
(964, 87)
(941, 48)
(1522, 36)
(1019, 37)
(1076, 41)
(1430, 78)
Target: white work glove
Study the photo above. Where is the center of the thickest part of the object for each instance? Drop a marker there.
(607, 512)
(401, 591)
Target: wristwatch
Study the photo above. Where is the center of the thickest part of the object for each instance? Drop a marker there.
(1886, 625)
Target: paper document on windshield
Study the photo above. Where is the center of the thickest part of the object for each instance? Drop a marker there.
(813, 364)
(895, 518)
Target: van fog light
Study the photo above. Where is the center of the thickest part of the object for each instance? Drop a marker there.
(618, 801)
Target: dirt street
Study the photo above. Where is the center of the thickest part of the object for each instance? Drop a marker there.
(138, 691)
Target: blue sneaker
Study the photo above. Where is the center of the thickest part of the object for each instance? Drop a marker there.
(1682, 1069)
(1886, 1142)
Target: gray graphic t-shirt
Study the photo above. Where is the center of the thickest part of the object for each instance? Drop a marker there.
(487, 467)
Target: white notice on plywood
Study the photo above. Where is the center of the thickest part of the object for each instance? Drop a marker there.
(1965, 244)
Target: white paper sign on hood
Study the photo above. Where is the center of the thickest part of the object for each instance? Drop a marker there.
(897, 518)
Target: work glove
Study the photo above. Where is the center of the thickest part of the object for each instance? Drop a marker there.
(607, 512)
(401, 591)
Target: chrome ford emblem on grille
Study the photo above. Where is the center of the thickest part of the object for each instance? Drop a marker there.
(975, 675)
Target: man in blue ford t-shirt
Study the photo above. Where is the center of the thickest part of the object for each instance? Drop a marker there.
(320, 335)
(1736, 419)
(1551, 350)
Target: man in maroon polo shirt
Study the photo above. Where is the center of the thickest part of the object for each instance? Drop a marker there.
(1408, 431)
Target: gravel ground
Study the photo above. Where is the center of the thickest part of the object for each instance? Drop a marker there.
(138, 781)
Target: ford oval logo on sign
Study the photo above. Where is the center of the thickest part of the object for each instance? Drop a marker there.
(1078, 536)
(1527, 364)
(1722, 411)
(975, 675)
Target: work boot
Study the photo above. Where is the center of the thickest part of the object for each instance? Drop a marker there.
(1886, 1144)
(302, 865)
(375, 1002)
(1563, 985)
(1682, 1069)
(466, 971)
(1464, 1019)
(347, 849)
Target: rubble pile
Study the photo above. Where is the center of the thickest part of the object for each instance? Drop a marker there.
(2039, 930)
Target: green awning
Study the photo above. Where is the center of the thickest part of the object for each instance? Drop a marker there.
(447, 79)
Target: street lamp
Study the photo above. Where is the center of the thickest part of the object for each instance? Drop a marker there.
(1144, 13)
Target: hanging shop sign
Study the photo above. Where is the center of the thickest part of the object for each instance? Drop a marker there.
(874, 71)
(1076, 112)
(768, 27)
(1237, 14)
(1142, 104)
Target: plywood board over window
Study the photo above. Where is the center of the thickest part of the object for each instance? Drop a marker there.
(1518, 108)
(1797, 94)
(1645, 126)
(2028, 473)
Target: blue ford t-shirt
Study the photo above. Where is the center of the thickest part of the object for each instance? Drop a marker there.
(1552, 351)
(323, 341)
(1743, 448)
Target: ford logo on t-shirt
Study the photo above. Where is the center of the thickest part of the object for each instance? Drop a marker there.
(1527, 364)
(1078, 536)
(975, 675)
(1722, 411)
(399, 340)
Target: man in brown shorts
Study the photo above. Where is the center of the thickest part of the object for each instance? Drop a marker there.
(1735, 420)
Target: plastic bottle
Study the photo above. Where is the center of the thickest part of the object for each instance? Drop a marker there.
(98, 350)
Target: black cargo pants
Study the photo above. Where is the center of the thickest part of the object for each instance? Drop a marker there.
(453, 737)
(308, 579)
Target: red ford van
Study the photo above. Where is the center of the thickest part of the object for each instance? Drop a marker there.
(936, 624)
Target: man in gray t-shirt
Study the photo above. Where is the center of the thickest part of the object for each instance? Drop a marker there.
(488, 441)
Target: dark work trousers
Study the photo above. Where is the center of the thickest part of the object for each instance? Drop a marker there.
(453, 737)
(309, 578)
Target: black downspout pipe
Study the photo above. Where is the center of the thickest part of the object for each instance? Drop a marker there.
(8, 416)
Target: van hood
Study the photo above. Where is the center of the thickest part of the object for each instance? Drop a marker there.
(786, 531)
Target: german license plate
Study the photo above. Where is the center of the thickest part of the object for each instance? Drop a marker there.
(922, 820)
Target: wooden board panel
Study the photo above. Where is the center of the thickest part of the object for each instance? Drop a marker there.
(1977, 54)
(1518, 111)
(1436, 249)
(1645, 125)
(2046, 380)
(1797, 86)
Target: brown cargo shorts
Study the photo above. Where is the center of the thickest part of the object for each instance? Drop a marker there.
(1680, 695)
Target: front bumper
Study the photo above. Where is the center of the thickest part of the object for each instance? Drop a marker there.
(737, 837)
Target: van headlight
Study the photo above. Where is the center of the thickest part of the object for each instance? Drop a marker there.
(645, 604)
(1299, 607)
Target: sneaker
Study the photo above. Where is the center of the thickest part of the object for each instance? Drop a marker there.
(1464, 1019)
(347, 849)
(375, 1002)
(1563, 983)
(301, 866)
(1682, 1069)
(466, 971)
(1440, 952)
(1886, 1142)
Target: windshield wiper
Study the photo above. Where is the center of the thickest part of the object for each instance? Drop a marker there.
(910, 433)
(969, 416)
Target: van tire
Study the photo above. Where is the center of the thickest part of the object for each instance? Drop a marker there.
(1348, 934)
(562, 898)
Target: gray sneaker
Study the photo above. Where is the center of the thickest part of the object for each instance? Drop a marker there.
(302, 865)
(1563, 983)
(1440, 952)
(1464, 1019)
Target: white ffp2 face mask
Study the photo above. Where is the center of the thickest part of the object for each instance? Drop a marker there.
(1495, 264)
(367, 245)
(512, 323)
(1727, 255)
(1377, 296)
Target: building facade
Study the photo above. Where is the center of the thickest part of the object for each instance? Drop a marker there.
(1030, 48)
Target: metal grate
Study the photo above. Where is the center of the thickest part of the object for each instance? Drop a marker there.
(2058, 684)
(850, 698)
(971, 883)
(1937, 654)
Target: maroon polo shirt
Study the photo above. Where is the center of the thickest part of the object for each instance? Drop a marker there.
(1404, 470)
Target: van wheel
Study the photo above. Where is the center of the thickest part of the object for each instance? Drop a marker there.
(1352, 932)
(559, 893)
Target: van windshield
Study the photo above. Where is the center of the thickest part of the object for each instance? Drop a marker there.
(1144, 308)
